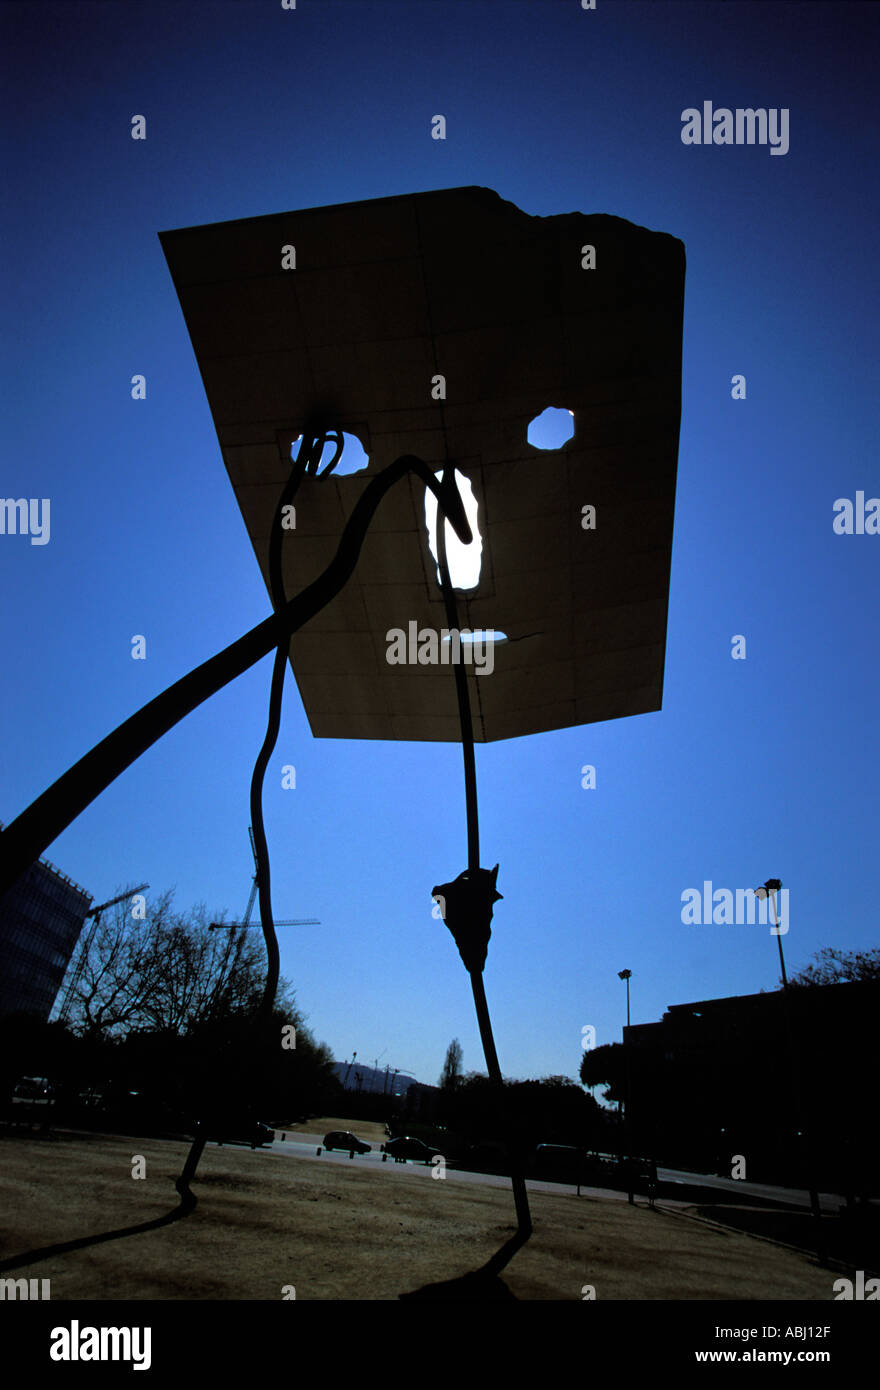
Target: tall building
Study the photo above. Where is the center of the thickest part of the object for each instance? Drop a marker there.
(41, 918)
(752, 1074)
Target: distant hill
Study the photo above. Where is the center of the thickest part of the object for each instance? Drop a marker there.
(374, 1080)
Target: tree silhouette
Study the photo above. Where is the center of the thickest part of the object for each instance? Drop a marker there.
(832, 967)
(167, 973)
(451, 1074)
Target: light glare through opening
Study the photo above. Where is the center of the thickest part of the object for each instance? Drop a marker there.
(465, 561)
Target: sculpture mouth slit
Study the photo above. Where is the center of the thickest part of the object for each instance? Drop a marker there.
(481, 636)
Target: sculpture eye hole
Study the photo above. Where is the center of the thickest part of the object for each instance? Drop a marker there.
(551, 429)
(465, 561)
(352, 459)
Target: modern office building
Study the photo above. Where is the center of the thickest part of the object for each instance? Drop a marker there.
(750, 1074)
(41, 918)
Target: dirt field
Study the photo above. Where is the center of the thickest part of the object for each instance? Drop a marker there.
(75, 1214)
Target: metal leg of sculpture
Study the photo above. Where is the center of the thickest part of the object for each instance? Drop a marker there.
(30, 834)
(26, 838)
(518, 1182)
(520, 1195)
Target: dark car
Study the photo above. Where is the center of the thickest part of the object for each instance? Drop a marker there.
(32, 1100)
(489, 1156)
(560, 1163)
(33, 1090)
(344, 1139)
(241, 1131)
(406, 1147)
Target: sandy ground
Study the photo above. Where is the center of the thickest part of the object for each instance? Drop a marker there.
(74, 1213)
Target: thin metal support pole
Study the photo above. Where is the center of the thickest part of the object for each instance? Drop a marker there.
(520, 1194)
(807, 1148)
(189, 1168)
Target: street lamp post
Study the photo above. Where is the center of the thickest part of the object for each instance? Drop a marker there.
(627, 975)
(769, 890)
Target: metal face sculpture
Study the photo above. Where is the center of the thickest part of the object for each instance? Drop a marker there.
(434, 327)
(440, 324)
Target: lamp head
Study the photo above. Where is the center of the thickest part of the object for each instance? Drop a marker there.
(771, 886)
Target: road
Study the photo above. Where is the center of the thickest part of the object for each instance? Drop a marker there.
(305, 1145)
(829, 1202)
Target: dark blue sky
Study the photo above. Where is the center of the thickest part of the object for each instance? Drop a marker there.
(754, 768)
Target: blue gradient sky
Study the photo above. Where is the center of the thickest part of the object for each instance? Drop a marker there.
(756, 768)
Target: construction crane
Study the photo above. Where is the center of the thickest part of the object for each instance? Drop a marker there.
(87, 946)
(242, 926)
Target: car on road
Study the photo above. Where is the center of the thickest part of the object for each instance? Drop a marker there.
(568, 1163)
(241, 1131)
(406, 1147)
(33, 1090)
(344, 1139)
(561, 1163)
(488, 1156)
(31, 1099)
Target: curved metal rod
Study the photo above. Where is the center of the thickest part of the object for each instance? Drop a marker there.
(464, 705)
(308, 460)
(484, 1021)
(30, 834)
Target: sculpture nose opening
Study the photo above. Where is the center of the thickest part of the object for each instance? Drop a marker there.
(465, 561)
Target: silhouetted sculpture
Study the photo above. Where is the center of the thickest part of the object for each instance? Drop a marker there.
(514, 310)
(466, 907)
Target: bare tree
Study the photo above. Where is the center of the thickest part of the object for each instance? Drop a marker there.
(831, 966)
(115, 977)
(168, 973)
